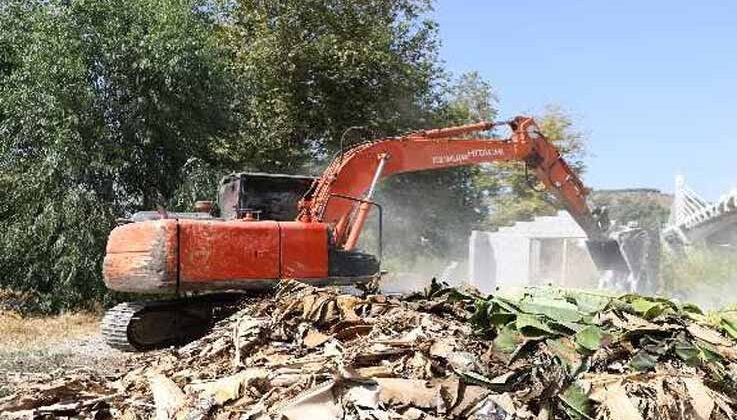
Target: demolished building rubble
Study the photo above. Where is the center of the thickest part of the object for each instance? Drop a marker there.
(315, 353)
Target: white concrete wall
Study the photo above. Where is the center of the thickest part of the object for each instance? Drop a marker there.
(504, 258)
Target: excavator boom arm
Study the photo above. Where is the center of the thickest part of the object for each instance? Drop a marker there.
(356, 172)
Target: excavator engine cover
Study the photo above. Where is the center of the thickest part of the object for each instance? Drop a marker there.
(165, 256)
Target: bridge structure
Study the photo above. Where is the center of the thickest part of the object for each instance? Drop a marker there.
(694, 220)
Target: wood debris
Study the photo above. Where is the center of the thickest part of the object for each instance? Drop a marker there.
(307, 353)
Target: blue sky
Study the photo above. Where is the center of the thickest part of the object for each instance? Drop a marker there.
(653, 83)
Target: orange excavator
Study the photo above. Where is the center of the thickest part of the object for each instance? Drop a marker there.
(254, 243)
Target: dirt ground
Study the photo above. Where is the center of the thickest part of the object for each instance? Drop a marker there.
(38, 348)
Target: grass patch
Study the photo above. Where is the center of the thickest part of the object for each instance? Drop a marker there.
(24, 333)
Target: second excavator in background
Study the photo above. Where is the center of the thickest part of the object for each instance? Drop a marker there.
(273, 227)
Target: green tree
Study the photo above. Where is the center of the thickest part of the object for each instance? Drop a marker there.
(648, 208)
(101, 103)
(313, 69)
(516, 195)
(470, 99)
(111, 107)
(431, 214)
(310, 69)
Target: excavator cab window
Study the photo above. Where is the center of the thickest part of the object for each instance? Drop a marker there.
(273, 196)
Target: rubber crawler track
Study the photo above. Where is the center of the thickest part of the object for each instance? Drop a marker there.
(183, 320)
(115, 325)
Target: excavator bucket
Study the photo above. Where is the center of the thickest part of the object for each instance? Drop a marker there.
(632, 255)
(607, 255)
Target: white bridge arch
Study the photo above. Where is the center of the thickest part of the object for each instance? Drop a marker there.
(695, 220)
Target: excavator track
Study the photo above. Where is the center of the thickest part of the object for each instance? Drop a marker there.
(141, 326)
(115, 325)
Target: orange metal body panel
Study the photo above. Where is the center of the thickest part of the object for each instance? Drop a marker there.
(142, 257)
(147, 257)
(233, 250)
(304, 250)
(352, 172)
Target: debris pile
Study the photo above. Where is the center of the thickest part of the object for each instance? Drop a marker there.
(312, 353)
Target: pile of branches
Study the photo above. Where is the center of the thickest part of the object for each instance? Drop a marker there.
(308, 353)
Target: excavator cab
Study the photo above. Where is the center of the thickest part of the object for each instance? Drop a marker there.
(268, 196)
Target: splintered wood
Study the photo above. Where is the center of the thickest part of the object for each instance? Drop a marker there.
(312, 353)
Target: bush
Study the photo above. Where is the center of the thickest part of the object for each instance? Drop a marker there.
(56, 252)
(701, 276)
(101, 105)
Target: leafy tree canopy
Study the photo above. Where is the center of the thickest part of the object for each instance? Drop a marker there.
(516, 195)
(101, 103)
(110, 107)
(309, 70)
